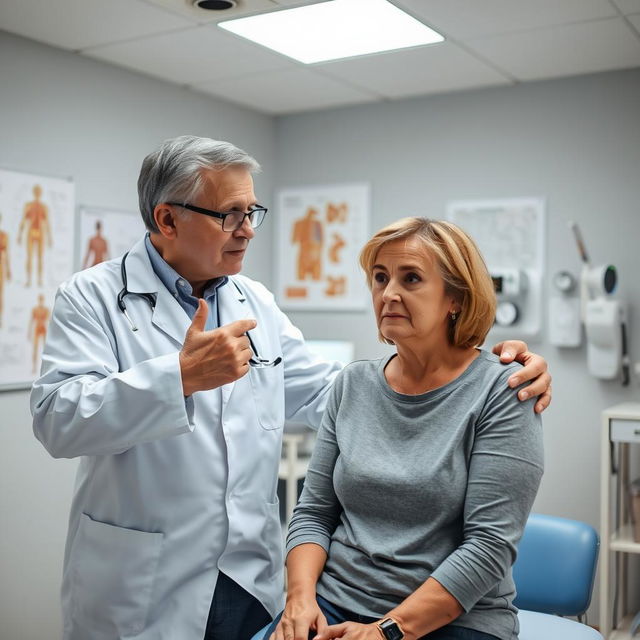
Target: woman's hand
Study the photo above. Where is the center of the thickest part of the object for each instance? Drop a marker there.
(299, 617)
(535, 369)
(351, 631)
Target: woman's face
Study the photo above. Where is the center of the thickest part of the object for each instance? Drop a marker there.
(409, 297)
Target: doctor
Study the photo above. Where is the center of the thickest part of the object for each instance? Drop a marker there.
(170, 375)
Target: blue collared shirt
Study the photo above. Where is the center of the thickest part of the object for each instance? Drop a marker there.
(181, 290)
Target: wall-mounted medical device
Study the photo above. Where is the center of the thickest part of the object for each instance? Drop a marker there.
(604, 317)
(565, 315)
(511, 290)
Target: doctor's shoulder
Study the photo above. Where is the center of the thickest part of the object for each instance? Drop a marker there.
(95, 284)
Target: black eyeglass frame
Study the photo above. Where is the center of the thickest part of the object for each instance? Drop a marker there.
(223, 216)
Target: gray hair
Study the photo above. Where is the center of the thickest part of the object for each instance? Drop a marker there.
(174, 171)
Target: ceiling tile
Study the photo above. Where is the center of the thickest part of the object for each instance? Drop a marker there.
(431, 69)
(280, 92)
(202, 16)
(296, 3)
(628, 6)
(469, 18)
(561, 51)
(76, 24)
(196, 54)
(635, 21)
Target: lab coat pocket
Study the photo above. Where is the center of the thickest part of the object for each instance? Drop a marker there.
(267, 387)
(113, 575)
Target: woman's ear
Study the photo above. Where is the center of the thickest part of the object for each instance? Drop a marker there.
(164, 216)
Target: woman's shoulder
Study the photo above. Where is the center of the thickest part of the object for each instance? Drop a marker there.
(490, 367)
(360, 367)
(359, 372)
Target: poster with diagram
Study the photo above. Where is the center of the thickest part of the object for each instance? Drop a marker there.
(321, 230)
(36, 256)
(106, 233)
(510, 233)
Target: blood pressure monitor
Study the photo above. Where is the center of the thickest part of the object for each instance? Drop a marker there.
(511, 287)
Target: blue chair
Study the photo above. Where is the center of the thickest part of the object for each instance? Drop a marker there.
(554, 575)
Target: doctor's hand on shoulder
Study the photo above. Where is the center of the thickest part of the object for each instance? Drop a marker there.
(210, 359)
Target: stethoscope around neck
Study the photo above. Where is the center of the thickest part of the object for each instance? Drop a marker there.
(124, 292)
(256, 361)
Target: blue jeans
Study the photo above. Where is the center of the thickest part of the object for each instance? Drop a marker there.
(336, 615)
(234, 614)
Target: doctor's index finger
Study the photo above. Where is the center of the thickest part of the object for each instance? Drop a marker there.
(240, 327)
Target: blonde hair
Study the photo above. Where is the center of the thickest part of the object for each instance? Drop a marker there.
(461, 266)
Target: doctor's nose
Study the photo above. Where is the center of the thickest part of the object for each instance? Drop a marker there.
(245, 230)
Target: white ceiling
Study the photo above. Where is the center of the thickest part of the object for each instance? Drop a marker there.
(488, 43)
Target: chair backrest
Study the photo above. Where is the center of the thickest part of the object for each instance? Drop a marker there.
(556, 565)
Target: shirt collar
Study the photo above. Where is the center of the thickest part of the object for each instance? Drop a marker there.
(173, 281)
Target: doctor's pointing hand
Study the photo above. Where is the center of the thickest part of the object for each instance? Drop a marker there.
(210, 359)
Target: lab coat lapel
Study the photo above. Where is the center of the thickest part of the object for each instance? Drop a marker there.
(168, 315)
(232, 305)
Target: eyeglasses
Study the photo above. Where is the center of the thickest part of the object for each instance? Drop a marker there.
(260, 363)
(231, 220)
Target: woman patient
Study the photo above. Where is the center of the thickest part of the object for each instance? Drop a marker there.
(426, 464)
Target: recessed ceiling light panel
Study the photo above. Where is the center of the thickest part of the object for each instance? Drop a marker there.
(334, 30)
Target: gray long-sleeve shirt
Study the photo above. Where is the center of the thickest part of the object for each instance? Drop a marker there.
(404, 487)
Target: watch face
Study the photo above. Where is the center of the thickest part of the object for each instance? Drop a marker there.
(391, 630)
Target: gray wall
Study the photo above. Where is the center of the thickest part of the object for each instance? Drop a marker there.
(64, 115)
(575, 141)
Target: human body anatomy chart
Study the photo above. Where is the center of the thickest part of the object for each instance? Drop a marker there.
(320, 232)
(36, 255)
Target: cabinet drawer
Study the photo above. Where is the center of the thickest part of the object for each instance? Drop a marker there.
(625, 431)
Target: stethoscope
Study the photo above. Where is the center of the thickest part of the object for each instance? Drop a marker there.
(257, 362)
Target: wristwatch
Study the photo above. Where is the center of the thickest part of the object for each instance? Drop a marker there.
(391, 630)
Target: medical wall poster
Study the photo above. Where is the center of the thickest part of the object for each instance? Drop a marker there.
(36, 255)
(106, 233)
(511, 236)
(320, 233)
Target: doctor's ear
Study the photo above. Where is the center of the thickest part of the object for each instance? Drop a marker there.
(165, 215)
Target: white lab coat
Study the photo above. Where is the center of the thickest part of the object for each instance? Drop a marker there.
(168, 491)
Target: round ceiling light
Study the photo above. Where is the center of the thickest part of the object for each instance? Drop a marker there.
(215, 5)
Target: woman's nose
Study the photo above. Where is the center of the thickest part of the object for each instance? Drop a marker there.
(390, 293)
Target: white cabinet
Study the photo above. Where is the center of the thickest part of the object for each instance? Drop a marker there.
(620, 432)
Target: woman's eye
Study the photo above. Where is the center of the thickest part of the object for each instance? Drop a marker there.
(379, 277)
(412, 277)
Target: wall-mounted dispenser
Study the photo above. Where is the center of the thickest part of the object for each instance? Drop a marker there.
(604, 317)
(565, 317)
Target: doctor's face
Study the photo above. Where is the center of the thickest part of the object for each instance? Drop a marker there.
(201, 249)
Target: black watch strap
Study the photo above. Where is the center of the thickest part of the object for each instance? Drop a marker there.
(391, 630)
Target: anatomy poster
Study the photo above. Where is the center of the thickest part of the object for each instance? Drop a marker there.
(36, 255)
(321, 231)
(106, 234)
